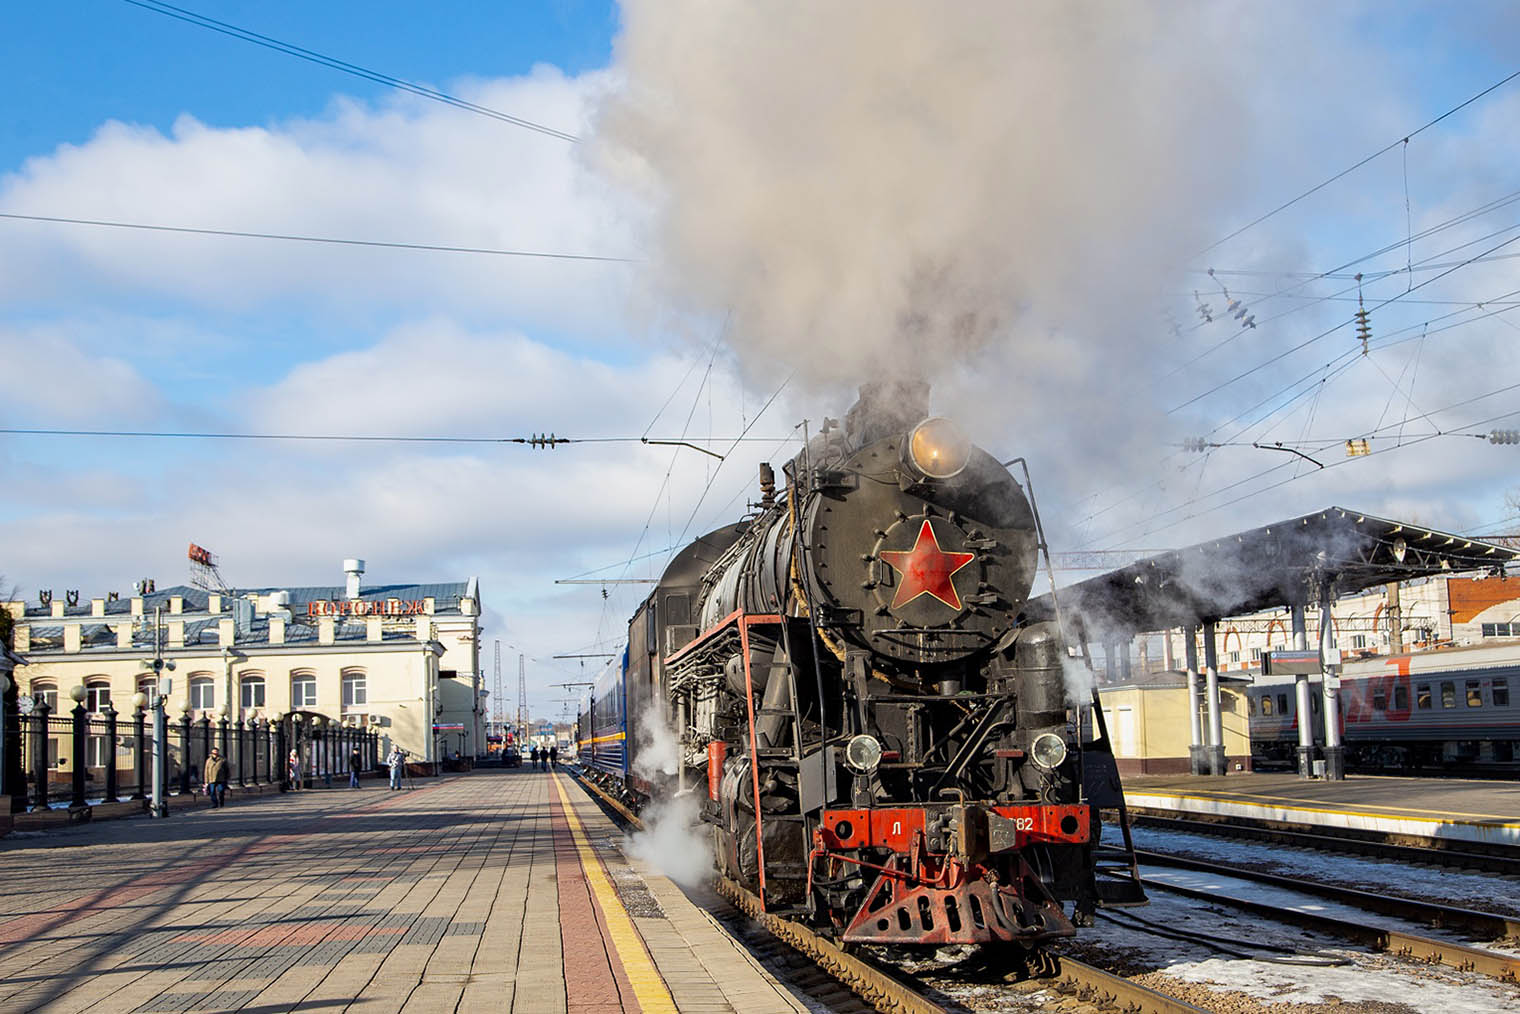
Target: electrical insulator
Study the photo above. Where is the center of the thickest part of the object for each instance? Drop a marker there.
(1504, 437)
(1358, 448)
(1363, 327)
(1197, 444)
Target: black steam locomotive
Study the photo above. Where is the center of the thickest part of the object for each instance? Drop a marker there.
(877, 729)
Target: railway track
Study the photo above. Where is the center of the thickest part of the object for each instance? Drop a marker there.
(884, 989)
(1505, 967)
(1481, 925)
(1404, 850)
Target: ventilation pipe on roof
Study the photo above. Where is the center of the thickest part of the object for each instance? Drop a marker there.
(351, 570)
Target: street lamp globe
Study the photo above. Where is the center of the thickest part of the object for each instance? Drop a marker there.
(77, 693)
(140, 700)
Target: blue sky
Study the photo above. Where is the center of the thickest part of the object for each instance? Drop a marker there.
(1026, 184)
(78, 64)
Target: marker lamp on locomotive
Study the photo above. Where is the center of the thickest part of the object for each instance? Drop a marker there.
(863, 753)
(1048, 751)
(937, 449)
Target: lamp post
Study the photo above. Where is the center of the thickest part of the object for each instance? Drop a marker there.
(140, 738)
(5, 717)
(112, 780)
(162, 687)
(222, 729)
(79, 738)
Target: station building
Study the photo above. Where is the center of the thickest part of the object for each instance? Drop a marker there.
(402, 660)
(1144, 688)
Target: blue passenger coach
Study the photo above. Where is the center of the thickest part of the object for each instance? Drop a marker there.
(602, 722)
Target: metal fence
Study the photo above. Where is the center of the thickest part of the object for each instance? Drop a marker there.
(80, 759)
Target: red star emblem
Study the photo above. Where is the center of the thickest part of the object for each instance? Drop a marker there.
(926, 570)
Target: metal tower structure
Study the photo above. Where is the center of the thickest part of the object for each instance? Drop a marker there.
(498, 706)
(522, 697)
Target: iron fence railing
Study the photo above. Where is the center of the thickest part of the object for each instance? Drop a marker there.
(80, 759)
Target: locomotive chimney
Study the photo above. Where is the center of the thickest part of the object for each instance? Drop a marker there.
(767, 486)
(886, 408)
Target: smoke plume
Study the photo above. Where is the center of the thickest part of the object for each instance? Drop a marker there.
(889, 187)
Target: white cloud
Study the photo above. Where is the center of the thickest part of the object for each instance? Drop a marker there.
(408, 171)
(48, 381)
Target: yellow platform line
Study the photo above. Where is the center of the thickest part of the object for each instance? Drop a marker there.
(1307, 806)
(648, 986)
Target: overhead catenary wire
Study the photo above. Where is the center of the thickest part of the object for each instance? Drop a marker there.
(330, 240)
(1353, 168)
(343, 66)
(544, 440)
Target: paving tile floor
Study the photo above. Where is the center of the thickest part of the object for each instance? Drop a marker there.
(492, 891)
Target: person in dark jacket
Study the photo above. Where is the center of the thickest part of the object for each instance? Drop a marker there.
(355, 765)
(533, 756)
(214, 778)
(553, 755)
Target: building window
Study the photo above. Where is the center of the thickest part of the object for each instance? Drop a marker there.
(1474, 694)
(1448, 695)
(46, 693)
(355, 691)
(1501, 693)
(1499, 629)
(202, 694)
(1359, 641)
(96, 750)
(97, 696)
(1255, 654)
(147, 685)
(303, 691)
(1400, 697)
(1380, 700)
(1422, 696)
(253, 692)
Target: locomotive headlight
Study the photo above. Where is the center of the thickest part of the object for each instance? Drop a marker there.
(938, 449)
(1048, 751)
(863, 753)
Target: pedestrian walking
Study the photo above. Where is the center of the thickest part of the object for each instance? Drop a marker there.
(534, 754)
(355, 765)
(214, 778)
(396, 761)
(553, 755)
(293, 767)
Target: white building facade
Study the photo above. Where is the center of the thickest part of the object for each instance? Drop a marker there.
(401, 660)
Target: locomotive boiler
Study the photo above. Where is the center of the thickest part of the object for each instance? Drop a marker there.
(879, 735)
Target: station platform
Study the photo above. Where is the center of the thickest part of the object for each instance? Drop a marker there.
(1443, 809)
(500, 890)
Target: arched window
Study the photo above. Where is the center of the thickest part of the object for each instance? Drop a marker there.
(202, 692)
(355, 691)
(252, 691)
(147, 685)
(303, 691)
(46, 693)
(97, 694)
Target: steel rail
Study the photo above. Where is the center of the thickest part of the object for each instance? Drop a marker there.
(1094, 984)
(1436, 853)
(1489, 925)
(871, 984)
(1396, 942)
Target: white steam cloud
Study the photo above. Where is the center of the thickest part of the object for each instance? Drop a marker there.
(872, 187)
(672, 841)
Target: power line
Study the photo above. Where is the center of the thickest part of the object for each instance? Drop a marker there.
(1350, 169)
(331, 240)
(543, 441)
(333, 63)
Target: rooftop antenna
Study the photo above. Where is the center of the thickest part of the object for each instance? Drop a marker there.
(203, 570)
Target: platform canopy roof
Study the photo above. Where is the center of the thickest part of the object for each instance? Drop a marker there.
(1269, 567)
